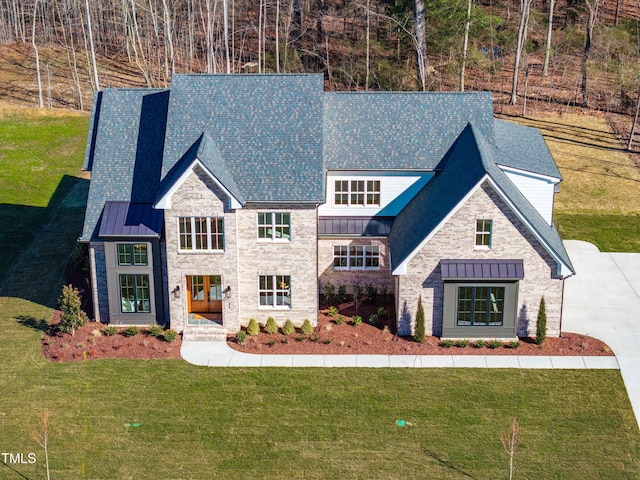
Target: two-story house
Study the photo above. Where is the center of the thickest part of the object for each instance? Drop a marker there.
(230, 197)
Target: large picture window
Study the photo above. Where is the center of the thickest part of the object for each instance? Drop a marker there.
(132, 254)
(357, 192)
(134, 294)
(356, 257)
(274, 226)
(275, 291)
(201, 233)
(480, 306)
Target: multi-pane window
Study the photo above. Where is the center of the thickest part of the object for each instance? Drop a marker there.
(356, 257)
(357, 192)
(132, 254)
(483, 233)
(480, 306)
(134, 293)
(201, 233)
(274, 226)
(275, 291)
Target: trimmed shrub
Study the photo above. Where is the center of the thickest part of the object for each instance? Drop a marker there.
(271, 343)
(241, 338)
(288, 327)
(271, 326)
(339, 320)
(420, 328)
(253, 328)
(131, 331)
(373, 319)
(155, 330)
(326, 341)
(462, 343)
(110, 330)
(382, 313)
(480, 343)
(170, 335)
(332, 311)
(513, 344)
(342, 293)
(72, 317)
(541, 327)
(357, 320)
(447, 343)
(494, 344)
(307, 328)
(329, 293)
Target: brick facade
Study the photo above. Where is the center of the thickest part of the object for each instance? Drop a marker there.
(455, 240)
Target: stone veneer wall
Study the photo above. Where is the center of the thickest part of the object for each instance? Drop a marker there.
(379, 278)
(199, 196)
(455, 240)
(297, 258)
(100, 290)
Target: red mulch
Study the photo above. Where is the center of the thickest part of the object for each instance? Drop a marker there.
(90, 342)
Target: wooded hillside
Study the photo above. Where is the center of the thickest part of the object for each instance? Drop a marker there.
(65, 49)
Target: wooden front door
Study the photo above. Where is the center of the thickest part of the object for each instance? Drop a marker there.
(205, 293)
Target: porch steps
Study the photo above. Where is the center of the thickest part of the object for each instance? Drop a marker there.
(209, 333)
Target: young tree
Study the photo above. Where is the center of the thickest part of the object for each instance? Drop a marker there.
(42, 439)
(541, 326)
(511, 442)
(419, 332)
(72, 316)
(358, 295)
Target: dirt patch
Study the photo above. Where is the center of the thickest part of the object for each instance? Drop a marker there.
(330, 337)
(90, 343)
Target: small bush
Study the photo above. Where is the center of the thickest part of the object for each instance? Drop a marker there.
(72, 317)
(300, 338)
(241, 338)
(342, 293)
(314, 338)
(494, 344)
(541, 326)
(447, 343)
(420, 332)
(326, 341)
(110, 330)
(155, 330)
(513, 344)
(382, 313)
(462, 343)
(329, 293)
(288, 327)
(384, 293)
(339, 320)
(285, 341)
(372, 292)
(307, 328)
(357, 295)
(79, 345)
(373, 319)
(271, 343)
(170, 335)
(332, 311)
(480, 343)
(131, 331)
(271, 326)
(357, 320)
(253, 328)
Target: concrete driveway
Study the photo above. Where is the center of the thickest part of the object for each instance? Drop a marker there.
(603, 300)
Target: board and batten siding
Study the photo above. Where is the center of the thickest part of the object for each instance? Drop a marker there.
(537, 189)
(396, 189)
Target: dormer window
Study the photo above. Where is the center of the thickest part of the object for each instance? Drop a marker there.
(483, 234)
(357, 192)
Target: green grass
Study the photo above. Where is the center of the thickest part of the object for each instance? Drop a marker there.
(610, 233)
(284, 423)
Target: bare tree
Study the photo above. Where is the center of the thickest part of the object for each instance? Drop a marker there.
(42, 438)
(593, 6)
(420, 29)
(525, 6)
(35, 48)
(547, 50)
(465, 45)
(93, 50)
(511, 442)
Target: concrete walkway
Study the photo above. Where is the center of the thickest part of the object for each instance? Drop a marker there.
(603, 300)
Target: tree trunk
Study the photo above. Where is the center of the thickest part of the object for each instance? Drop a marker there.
(35, 48)
(419, 23)
(366, 85)
(93, 50)
(522, 29)
(635, 122)
(465, 45)
(592, 7)
(547, 50)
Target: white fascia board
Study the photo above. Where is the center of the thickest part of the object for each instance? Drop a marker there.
(165, 202)
(527, 173)
(562, 267)
(402, 268)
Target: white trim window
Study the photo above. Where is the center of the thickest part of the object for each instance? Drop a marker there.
(132, 254)
(356, 257)
(274, 226)
(483, 234)
(201, 233)
(357, 192)
(275, 291)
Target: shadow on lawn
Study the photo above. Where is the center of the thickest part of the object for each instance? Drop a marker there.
(446, 463)
(40, 325)
(40, 242)
(14, 470)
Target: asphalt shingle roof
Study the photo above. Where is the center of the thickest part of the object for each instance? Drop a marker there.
(268, 129)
